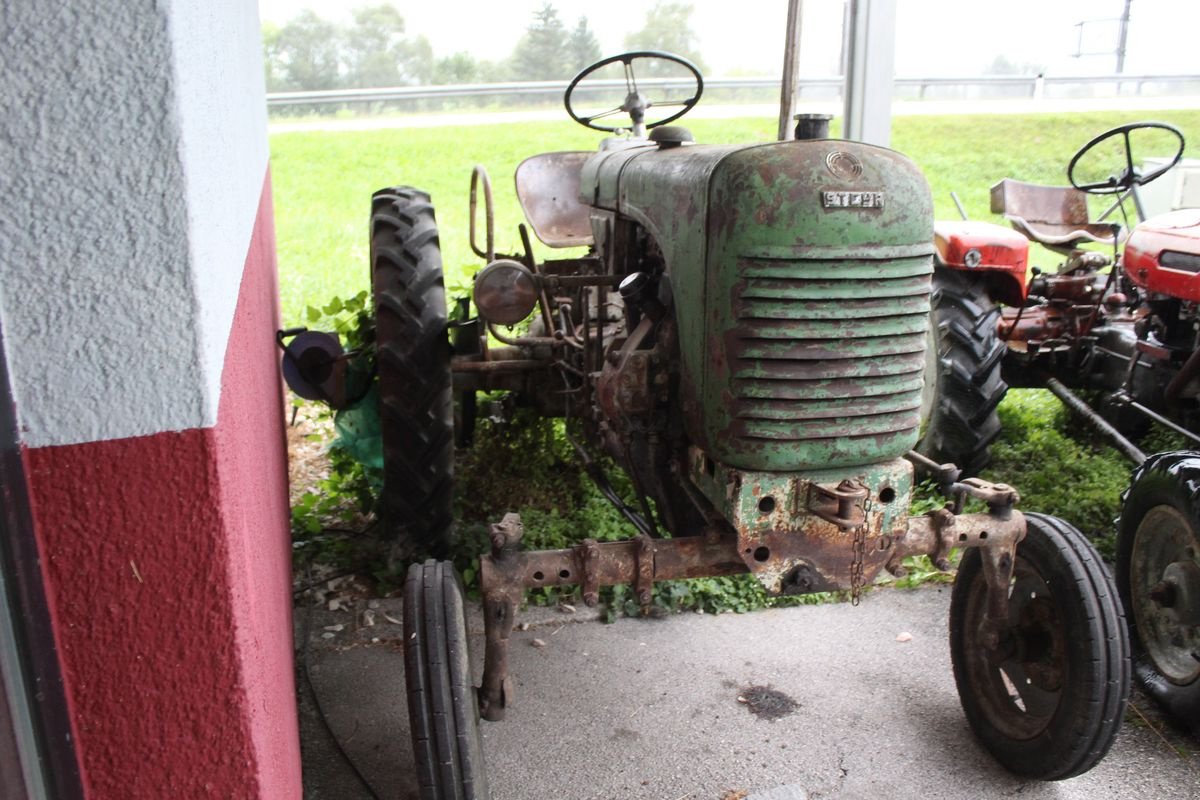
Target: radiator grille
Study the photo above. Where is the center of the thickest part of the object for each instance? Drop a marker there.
(825, 349)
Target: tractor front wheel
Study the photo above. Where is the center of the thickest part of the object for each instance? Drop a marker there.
(416, 407)
(963, 386)
(443, 707)
(1047, 701)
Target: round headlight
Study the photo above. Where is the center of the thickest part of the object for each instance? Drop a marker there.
(505, 292)
(973, 258)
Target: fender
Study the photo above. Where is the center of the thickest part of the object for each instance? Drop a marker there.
(1000, 254)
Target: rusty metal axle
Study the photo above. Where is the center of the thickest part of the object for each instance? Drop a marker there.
(507, 571)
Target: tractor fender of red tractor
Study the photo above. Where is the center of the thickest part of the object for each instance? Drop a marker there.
(998, 255)
(1163, 255)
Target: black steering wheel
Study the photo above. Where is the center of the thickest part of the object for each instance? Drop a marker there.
(635, 104)
(1129, 176)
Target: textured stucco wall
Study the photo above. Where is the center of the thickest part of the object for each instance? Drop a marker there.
(134, 145)
(167, 558)
(93, 244)
(251, 453)
(138, 296)
(219, 89)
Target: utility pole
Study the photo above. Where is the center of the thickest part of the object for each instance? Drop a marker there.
(1122, 36)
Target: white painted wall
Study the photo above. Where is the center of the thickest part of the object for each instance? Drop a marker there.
(128, 190)
(220, 98)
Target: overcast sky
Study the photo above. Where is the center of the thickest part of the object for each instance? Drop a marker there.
(933, 37)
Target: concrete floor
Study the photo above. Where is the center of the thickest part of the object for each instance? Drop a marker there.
(650, 709)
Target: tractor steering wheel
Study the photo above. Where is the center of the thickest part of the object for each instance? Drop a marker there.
(1129, 176)
(635, 104)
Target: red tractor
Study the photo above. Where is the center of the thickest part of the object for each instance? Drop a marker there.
(1125, 327)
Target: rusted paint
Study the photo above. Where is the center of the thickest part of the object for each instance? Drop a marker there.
(848, 285)
(789, 538)
(500, 602)
(548, 191)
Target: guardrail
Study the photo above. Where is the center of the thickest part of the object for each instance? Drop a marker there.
(1031, 85)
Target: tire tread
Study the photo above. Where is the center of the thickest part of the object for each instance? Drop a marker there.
(1081, 733)
(963, 422)
(413, 358)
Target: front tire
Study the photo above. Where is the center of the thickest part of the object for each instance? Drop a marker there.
(1158, 577)
(416, 407)
(443, 707)
(963, 386)
(1048, 703)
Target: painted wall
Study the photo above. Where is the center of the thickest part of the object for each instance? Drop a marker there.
(137, 289)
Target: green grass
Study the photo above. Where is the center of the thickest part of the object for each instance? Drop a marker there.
(323, 182)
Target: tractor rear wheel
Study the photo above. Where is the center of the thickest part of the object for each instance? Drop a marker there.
(963, 386)
(416, 406)
(1158, 577)
(1048, 701)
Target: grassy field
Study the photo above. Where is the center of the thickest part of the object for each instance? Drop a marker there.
(323, 182)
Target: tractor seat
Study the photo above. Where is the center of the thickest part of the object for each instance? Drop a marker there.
(1056, 216)
(548, 190)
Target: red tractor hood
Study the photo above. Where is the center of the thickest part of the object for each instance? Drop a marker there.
(1163, 254)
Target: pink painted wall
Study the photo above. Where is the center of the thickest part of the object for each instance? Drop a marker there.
(168, 561)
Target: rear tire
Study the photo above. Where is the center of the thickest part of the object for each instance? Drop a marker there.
(1048, 705)
(443, 706)
(1158, 543)
(963, 385)
(416, 407)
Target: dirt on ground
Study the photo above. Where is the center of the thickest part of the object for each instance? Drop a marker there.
(308, 436)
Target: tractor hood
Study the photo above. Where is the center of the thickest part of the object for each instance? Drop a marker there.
(800, 275)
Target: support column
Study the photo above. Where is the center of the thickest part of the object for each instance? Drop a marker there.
(870, 34)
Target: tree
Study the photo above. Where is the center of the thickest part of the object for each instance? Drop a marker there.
(456, 69)
(270, 37)
(582, 46)
(306, 54)
(668, 27)
(541, 54)
(1001, 65)
(378, 54)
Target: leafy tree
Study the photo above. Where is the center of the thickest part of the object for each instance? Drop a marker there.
(456, 69)
(668, 27)
(582, 46)
(378, 54)
(270, 37)
(306, 54)
(541, 54)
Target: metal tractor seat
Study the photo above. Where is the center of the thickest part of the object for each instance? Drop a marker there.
(1056, 216)
(548, 190)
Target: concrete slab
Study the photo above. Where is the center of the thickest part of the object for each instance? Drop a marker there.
(650, 709)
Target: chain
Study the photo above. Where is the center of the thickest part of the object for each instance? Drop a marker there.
(857, 581)
(856, 565)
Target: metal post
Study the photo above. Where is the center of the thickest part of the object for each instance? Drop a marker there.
(870, 38)
(791, 68)
(1122, 37)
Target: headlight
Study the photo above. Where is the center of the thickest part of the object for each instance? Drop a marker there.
(505, 292)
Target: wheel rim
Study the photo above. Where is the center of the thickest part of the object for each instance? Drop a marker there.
(1164, 572)
(1020, 684)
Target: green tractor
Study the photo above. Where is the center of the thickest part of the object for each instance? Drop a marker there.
(746, 337)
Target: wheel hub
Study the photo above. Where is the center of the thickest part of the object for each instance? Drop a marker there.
(1165, 593)
(1181, 584)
